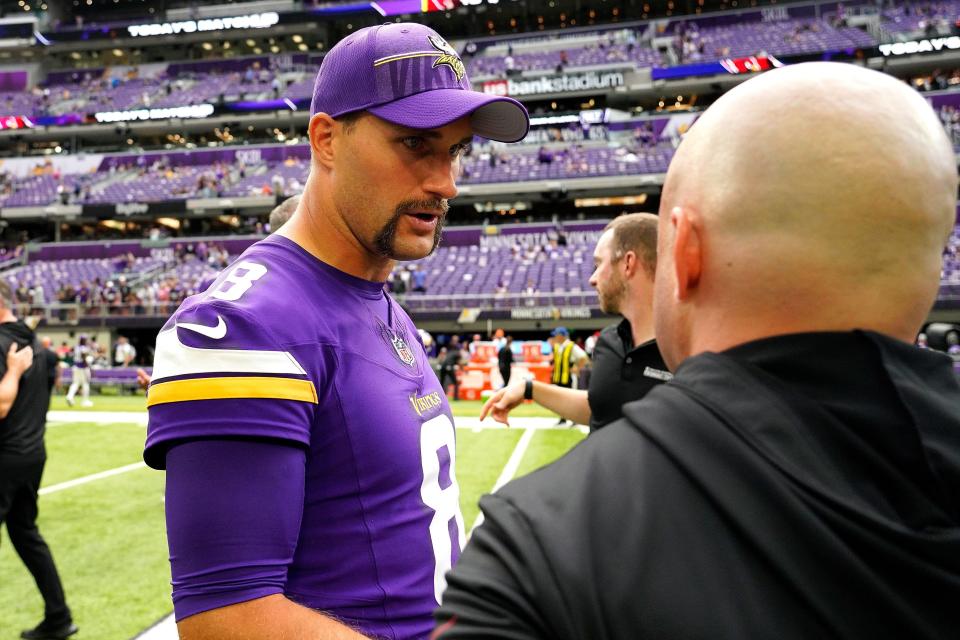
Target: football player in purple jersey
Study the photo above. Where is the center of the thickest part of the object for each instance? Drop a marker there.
(309, 448)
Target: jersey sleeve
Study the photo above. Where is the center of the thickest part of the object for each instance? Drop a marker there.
(220, 373)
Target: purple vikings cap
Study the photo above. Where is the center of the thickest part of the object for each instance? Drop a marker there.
(405, 73)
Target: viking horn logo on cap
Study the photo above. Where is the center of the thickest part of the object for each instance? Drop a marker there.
(448, 56)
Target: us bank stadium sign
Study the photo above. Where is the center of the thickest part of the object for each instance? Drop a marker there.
(550, 313)
(569, 83)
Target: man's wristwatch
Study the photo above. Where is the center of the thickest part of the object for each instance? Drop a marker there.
(528, 389)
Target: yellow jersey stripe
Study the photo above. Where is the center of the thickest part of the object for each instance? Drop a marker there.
(232, 387)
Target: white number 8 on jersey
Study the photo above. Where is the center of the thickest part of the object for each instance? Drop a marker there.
(240, 279)
(434, 435)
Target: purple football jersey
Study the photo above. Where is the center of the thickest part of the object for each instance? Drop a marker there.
(285, 346)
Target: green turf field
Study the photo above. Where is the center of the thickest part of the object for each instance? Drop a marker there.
(107, 535)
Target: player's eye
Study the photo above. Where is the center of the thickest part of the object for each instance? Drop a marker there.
(458, 150)
(414, 143)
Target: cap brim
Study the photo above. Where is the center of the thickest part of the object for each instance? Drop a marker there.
(492, 117)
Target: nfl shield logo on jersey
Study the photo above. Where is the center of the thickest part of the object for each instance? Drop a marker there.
(403, 351)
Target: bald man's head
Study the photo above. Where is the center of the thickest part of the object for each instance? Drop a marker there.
(283, 212)
(814, 197)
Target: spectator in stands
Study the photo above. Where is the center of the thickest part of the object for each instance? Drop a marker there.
(38, 298)
(278, 185)
(625, 363)
(396, 284)
(419, 277)
(24, 401)
(803, 463)
(567, 360)
(124, 353)
(124, 290)
(23, 299)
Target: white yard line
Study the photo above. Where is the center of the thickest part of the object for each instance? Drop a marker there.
(95, 476)
(509, 470)
(166, 629)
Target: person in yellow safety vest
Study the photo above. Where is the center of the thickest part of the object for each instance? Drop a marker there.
(568, 357)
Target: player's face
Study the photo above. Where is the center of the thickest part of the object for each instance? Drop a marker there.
(606, 278)
(393, 183)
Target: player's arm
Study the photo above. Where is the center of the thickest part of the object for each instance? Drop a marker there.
(571, 404)
(501, 584)
(233, 517)
(267, 618)
(17, 362)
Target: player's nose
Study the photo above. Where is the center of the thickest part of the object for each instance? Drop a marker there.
(441, 181)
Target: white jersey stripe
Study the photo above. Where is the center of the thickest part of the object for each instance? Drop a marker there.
(173, 358)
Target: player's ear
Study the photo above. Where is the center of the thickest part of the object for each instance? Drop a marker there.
(629, 264)
(321, 129)
(687, 250)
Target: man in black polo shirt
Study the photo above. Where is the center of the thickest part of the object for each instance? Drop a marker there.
(626, 361)
(24, 399)
(799, 477)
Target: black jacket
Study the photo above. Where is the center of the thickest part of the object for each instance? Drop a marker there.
(803, 486)
(21, 432)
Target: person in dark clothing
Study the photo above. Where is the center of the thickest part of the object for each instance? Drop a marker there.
(626, 363)
(24, 399)
(450, 367)
(53, 363)
(799, 477)
(505, 360)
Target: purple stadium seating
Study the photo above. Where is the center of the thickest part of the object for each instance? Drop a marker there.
(504, 277)
(52, 274)
(910, 18)
(950, 276)
(475, 276)
(573, 162)
(786, 37)
(593, 55)
(92, 92)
